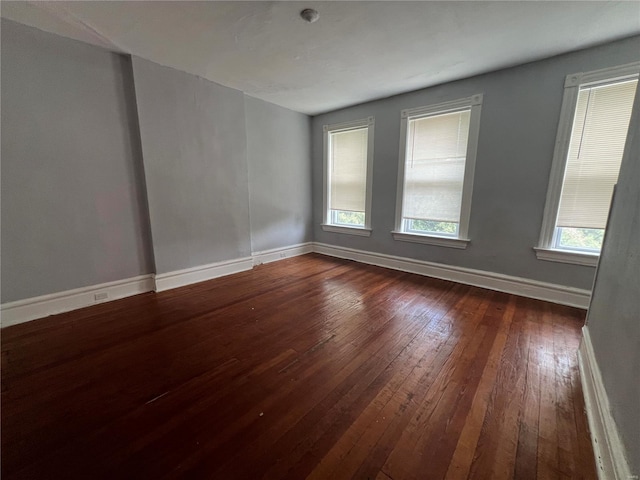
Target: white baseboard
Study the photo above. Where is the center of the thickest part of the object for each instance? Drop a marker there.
(188, 276)
(550, 292)
(607, 445)
(45, 305)
(21, 311)
(275, 254)
(38, 307)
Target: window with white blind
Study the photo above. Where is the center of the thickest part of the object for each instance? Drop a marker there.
(437, 159)
(347, 177)
(591, 138)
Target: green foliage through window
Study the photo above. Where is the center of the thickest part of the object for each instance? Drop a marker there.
(581, 238)
(343, 217)
(430, 226)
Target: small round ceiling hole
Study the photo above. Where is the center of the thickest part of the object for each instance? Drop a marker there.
(309, 15)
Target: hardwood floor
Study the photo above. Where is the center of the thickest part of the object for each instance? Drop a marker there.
(311, 367)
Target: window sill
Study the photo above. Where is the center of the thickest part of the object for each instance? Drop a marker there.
(565, 256)
(362, 232)
(431, 240)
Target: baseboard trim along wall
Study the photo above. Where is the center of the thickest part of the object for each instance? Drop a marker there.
(550, 292)
(607, 445)
(21, 311)
(188, 276)
(275, 254)
(38, 307)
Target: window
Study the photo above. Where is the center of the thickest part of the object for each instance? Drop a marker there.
(594, 122)
(435, 175)
(347, 177)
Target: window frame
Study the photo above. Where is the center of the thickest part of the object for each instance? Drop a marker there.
(461, 241)
(326, 225)
(547, 246)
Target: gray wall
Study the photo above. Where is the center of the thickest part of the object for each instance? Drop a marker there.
(278, 150)
(109, 161)
(194, 151)
(73, 209)
(517, 135)
(614, 314)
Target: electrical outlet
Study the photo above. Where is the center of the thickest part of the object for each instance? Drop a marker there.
(283, 255)
(101, 296)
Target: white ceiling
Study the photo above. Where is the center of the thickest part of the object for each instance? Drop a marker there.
(355, 52)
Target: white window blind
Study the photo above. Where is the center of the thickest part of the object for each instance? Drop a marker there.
(348, 175)
(434, 167)
(595, 152)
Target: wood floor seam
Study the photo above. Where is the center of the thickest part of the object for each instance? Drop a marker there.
(308, 368)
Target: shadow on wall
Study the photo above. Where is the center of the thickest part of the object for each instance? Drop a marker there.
(128, 87)
(283, 228)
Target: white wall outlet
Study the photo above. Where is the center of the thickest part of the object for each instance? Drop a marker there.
(283, 255)
(101, 296)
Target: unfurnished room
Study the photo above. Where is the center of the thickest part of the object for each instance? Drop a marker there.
(374, 240)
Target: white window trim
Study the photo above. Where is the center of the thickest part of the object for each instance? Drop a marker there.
(359, 231)
(327, 226)
(462, 240)
(545, 249)
(567, 256)
(452, 242)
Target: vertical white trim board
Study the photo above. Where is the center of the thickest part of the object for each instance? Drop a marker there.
(201, 273)
(275, 254)
(524, 287)
(22, 311)
(608, 448)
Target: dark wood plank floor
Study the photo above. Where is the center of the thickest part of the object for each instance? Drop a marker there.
(311, 367)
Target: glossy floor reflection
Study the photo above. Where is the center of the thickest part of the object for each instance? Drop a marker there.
(310, 367)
